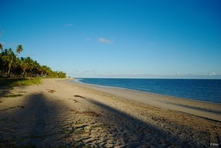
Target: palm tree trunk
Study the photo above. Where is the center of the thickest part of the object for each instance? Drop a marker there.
(9, 71)
(23, 73)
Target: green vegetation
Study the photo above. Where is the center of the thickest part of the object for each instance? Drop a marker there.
(12, 95)
(20, 82)
(13, 66)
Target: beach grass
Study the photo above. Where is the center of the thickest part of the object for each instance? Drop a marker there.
(12, 95)
(20, 82)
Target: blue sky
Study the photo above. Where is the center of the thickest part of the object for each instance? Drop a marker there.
(117, 38)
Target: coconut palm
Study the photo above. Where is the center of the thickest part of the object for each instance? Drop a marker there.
(1, 46)
(9, 59)
(19, 49)
(11, 65)
(23, 65)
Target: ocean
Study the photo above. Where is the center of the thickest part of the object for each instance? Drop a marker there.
(208, 90)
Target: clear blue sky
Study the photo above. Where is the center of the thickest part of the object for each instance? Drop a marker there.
(117, 38)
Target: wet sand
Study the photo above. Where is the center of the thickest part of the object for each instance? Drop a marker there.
(61, 113)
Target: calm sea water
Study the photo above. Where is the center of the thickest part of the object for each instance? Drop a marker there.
(195, 89)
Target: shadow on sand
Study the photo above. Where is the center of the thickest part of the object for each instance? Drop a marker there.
(139, 133)
(40, 123)
(31, 125)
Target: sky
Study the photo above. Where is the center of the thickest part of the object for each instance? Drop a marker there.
(117, 38)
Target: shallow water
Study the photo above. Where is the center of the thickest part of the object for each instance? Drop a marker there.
(195, 89)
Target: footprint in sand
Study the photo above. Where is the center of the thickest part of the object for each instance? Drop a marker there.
(51, 91)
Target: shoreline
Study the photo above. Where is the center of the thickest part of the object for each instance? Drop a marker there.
(60, 112)
(204, 109)
(97, 85)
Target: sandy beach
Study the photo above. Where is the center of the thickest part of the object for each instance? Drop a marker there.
(60, 113)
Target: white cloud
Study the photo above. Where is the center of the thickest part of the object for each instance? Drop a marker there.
(212, 74)
(105, 41)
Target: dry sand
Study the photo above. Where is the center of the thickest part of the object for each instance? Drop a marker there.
(59, 113)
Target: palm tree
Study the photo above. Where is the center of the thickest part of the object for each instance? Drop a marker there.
(29, 61)
(1, 47)
(24, 66)
(11, 65)
(9, 59)
(36, 69)
(44, 70)
(19, 49)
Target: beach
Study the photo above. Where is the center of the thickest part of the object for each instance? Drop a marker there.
(64, 113)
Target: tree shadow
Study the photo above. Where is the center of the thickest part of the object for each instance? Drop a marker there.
(136, 133)
(37, 123)
(40, 122)
(6, 85)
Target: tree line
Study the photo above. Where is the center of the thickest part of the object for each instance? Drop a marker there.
(11, 65)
